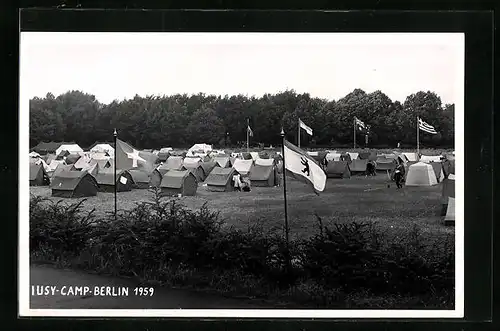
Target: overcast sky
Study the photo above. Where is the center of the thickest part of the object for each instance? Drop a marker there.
(119, 65)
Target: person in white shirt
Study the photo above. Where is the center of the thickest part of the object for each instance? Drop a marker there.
(237, 182)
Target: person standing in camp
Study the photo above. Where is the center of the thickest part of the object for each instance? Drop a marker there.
(237, 182)
(399, 174)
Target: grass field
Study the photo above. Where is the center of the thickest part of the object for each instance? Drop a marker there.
(366, 199)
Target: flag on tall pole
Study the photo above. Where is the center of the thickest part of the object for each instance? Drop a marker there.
(305, 127)
(249, 134)
(115, 135)
(284, 191)
(127, 157)
(358, 126)
(298, 164)
(421, 125)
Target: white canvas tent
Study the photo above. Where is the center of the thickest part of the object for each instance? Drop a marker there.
(244, 167)
(199, 148)
(450, 211)
(353, 155)
(265, 162)
(255, 155)
(430, 158)
(421, 174)
(412, 157)
(72, 148)
(103, 148)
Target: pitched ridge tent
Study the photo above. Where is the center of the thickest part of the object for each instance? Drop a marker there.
(74, 184)
(156, 177)
(200, 148)
(449, 218)
(263, 175)
(233, 159)
(72, 158)
(430, 158)
(353, 155)
(384, 164)
(263, 155)
(358, 166)
(438, 170)
(338, 169)
(47, 147)
(164, 154)
(371, 156)
(103, 164)
(412, 157)
(179, 182)
(82, 162)
(141, 179)
(243, 167)
(246, 156)
(208, 167)
(421, 174)
(447, 192)
(319, 156)
(448, 167)
(173, 163)
(105, 180)
(62, 155)
(92, 169)
(192, 161)
(197, 170)
(220, 179)
(72, 148)
(265, 162)
(102, 148)
(54, 164)
(38, 176)
(99, 156)
(333, 157)
(63, 167)
(223, 161)
(255, 155)
(48, 158)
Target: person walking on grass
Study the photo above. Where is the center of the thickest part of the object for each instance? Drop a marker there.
(399, 174)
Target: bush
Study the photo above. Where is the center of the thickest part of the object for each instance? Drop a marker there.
(166, 242)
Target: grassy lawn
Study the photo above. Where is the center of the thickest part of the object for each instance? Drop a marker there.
(360, 198)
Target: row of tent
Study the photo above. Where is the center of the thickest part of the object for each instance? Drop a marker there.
(176, 175)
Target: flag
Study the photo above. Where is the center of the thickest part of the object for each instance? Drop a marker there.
(301, 166)
(249, 130)
(426, 127)
(305, 127)
(360, 125)
(128, 157)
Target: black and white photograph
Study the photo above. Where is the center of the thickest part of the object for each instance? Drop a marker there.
(259, 175)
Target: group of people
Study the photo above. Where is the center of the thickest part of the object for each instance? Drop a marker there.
(241, 183)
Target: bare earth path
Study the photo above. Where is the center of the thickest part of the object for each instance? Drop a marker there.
(163, 298)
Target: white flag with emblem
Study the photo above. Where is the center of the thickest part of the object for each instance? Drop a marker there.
(305, 127)
(301, 166)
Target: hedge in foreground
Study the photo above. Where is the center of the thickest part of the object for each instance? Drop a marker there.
(343, 265)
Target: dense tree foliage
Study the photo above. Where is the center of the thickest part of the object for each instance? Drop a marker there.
(182, 120)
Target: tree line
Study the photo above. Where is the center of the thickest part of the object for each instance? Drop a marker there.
(182, 120)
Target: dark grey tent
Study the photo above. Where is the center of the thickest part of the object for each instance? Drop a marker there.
(208, 167)
(141, 179)
(38, 176)
(178, 182)
(63, 167)
(72, 158)
(223, 161)
(447, 192)
(197, 171)
(263, 175)
(338, 169)
(73, 184)
(358, 166)
(221, 179)
(106, 183)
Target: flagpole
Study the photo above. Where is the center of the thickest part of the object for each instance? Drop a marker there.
(354, 131)
(284, 189)
(418, 139)
(298, 133)
(248, 135)
(114, 158)
(287, 240)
